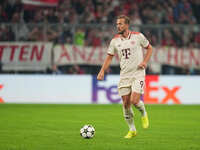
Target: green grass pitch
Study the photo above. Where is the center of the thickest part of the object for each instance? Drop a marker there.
(56, 127)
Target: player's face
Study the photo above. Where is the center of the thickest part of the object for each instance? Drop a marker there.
(121, 26)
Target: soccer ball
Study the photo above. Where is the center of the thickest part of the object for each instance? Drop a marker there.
(87, 131)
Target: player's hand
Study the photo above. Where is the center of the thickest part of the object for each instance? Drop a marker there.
(142, 65)
(100, 75)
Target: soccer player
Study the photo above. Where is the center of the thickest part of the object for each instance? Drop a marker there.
(129, 45)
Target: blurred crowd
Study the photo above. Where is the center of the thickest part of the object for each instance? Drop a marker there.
(64, 23)
(103, 11)
(91, 22)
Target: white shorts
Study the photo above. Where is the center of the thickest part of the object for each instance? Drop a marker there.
(127, 86)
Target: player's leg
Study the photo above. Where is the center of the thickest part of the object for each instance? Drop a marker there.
(135, 100)
(137, 91)
(127, 111)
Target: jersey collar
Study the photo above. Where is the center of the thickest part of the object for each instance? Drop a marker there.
(128, 37)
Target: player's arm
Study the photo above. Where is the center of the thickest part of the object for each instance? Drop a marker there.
(147, 57)
(104, 67)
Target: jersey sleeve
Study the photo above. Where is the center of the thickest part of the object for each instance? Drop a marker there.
(111, 48)
(143, 41)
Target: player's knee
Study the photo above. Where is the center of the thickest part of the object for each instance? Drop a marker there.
(134, 101)
(126, 103)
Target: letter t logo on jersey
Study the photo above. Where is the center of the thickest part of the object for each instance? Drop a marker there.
(126, 53)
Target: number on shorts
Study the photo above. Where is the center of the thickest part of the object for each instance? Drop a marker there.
(141, 83)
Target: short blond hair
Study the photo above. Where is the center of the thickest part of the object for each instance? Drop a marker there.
(126, 18)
